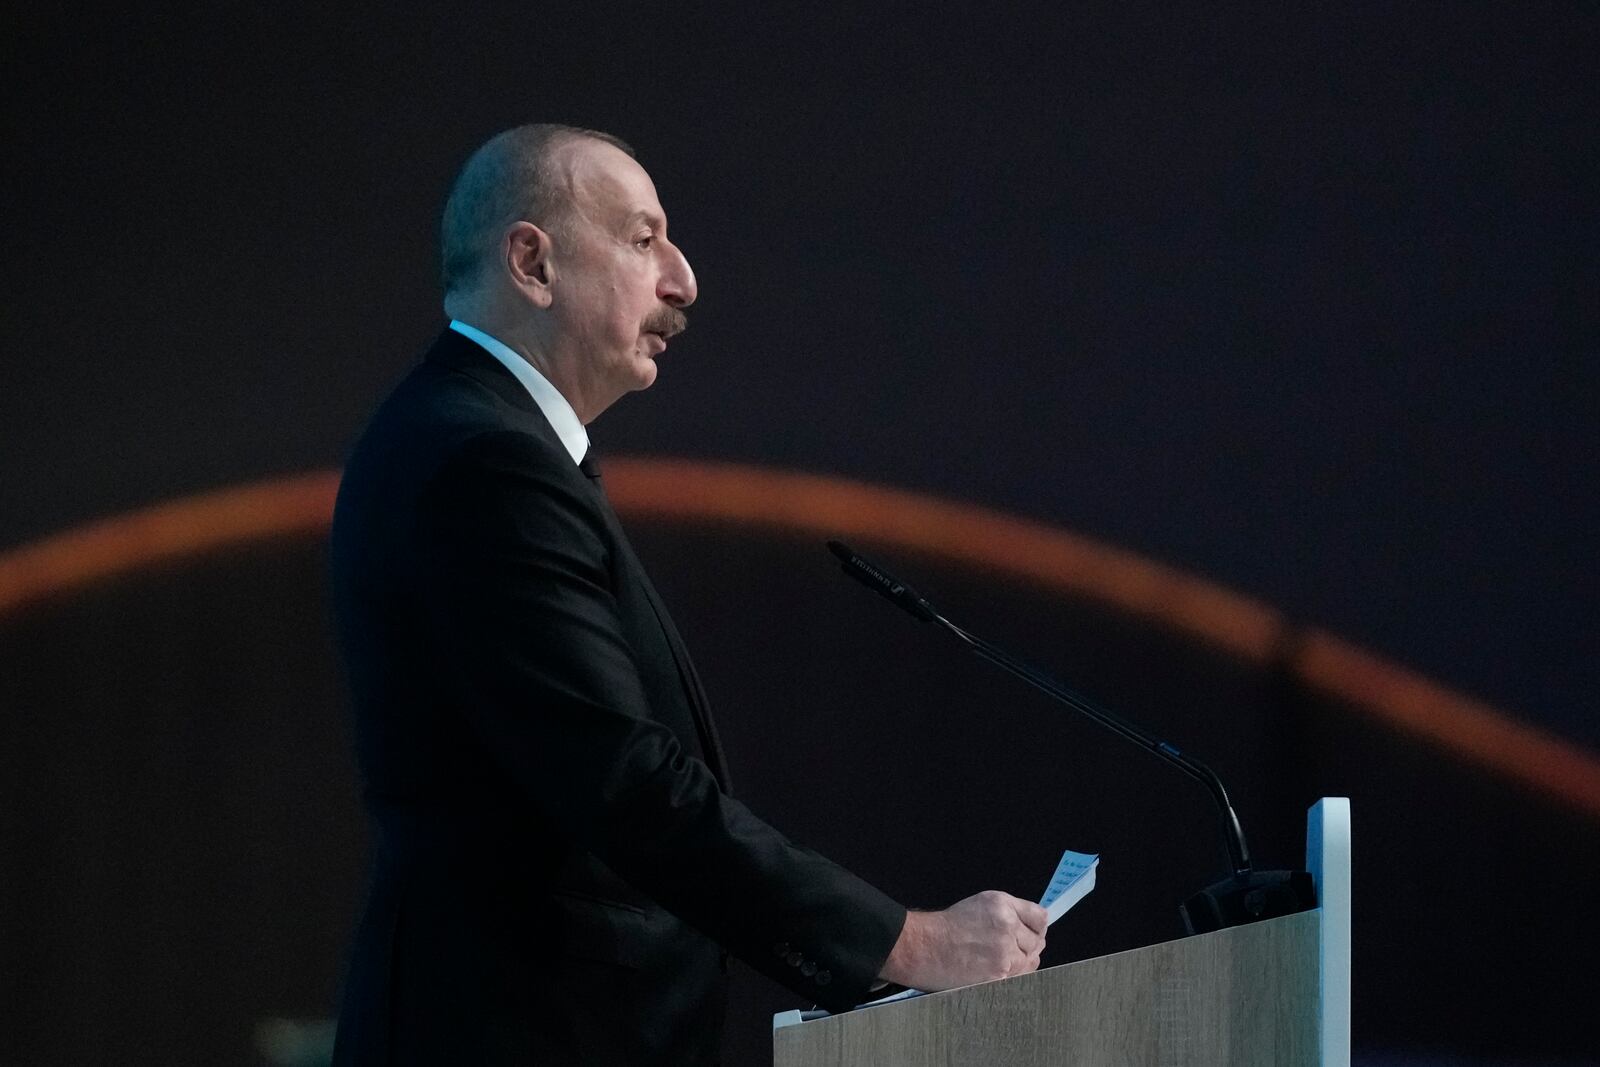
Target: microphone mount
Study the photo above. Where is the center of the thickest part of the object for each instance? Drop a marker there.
(1246, 895)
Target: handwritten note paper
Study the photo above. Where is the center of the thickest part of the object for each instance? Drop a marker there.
(1072, 881)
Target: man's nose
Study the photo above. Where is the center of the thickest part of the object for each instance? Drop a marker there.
(677, 285)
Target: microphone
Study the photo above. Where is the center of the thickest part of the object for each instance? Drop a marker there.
(879, 582)
(1247, 895)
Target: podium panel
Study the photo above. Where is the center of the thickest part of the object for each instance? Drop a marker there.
(1244, 996)
(1270, 994)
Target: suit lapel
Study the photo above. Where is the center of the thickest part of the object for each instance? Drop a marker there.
(455, 352)
(699, 705)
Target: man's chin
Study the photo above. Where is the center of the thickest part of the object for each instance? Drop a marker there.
(645, 372)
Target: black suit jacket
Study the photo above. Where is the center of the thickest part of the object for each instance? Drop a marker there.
(558, 864)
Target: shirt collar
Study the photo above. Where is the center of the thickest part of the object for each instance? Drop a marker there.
(562, 418)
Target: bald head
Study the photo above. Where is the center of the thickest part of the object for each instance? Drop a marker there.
(515, 176)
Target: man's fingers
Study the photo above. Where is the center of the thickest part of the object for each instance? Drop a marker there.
(1022, 963)
(1028, 942)
(1033, 916)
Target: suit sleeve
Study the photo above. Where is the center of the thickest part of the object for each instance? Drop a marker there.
(517, 586)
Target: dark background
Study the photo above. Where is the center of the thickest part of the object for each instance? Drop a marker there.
(1303, 303)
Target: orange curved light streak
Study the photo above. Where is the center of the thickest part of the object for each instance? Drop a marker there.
(696, 492)
(277, 507)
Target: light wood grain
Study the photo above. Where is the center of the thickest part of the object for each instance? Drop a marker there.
(1241, 997)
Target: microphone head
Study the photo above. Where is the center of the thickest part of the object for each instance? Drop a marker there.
(881, 581)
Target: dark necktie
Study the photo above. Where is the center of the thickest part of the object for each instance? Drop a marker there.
(589, 464)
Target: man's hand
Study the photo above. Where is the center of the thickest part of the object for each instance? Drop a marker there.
(991, 935)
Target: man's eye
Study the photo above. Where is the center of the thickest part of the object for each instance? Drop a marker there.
(644, 242)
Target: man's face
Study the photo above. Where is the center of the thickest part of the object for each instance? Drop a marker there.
(617, 281)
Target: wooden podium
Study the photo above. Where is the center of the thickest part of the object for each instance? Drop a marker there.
(1274, 993)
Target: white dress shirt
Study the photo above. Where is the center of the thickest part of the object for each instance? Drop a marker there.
(567, 425)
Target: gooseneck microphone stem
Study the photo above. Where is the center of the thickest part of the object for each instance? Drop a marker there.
(1232, 832)
(907, 599)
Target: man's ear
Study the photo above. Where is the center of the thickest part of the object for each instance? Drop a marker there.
(527, 251)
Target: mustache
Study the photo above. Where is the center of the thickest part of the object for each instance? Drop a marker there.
(668, 322)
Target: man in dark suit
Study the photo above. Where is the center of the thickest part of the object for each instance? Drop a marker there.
(559, 866)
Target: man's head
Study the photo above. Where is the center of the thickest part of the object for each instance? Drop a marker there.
(553, 239)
